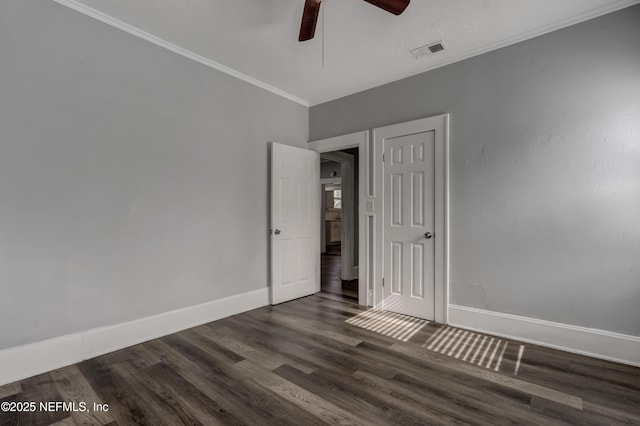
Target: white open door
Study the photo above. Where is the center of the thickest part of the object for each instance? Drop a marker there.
(295, 235)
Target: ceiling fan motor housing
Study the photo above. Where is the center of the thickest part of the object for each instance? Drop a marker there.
(312, 10)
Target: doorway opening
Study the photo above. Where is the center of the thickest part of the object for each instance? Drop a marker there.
(339, 223)
(354, 263)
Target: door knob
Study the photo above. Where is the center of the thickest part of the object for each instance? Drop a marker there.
(277, 232)
(428, 235)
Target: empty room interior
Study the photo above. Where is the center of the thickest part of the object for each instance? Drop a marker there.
(312, 212)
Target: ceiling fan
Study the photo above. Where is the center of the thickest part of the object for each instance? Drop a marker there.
(312, 9)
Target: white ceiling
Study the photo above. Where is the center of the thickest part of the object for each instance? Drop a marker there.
(363, 46)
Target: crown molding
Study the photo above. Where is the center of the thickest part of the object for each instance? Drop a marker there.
(546, 29)
(109, 20)
(135, 31)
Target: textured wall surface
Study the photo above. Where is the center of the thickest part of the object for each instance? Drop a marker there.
(545, 170)
(133, 181)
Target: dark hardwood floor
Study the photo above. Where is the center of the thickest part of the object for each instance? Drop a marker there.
(330, 275)
(323, 359)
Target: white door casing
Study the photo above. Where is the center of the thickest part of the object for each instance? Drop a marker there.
(409, 210)
(414, 268)
(295, 206)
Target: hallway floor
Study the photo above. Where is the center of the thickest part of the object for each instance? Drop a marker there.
(330, 276)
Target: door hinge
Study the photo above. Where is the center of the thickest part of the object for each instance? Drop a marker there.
(383, 158)
(383, 282)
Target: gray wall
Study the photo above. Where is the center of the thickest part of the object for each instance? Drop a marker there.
(545, 170)
(133, 181)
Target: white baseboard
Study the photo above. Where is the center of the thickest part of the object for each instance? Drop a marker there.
(585, 341)
(35, 358)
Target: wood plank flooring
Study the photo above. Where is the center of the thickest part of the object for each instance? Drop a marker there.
(301, 363)
(330, 276)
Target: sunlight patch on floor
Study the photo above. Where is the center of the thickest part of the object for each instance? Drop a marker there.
(475, 348)
(397, 326)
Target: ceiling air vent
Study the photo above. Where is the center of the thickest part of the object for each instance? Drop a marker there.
(420, 52)
(436, 47)
(427, 49)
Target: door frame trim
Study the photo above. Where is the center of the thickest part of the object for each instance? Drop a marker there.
(358, 140)
(439, 124)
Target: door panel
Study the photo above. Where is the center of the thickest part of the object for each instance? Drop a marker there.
(417, 195)
(295, 200)
(417, 270)
(409, 213)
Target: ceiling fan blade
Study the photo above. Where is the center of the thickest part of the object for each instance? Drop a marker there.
(309, 19)
(392, 6)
